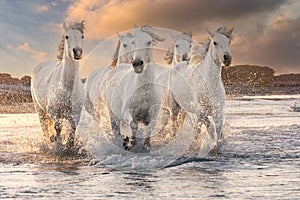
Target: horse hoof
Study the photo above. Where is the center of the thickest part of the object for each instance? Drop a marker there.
(128, 144)
(147, 143)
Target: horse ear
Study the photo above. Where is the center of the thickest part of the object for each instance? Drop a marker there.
(65, 26)
(219, 29)
(120, 36)
(231, 30)
(210, 33)
(136, 28)
(82, 24)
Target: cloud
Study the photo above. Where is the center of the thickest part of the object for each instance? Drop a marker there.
(105, 18)
(275, 43)
(25, 47)
(42, 8)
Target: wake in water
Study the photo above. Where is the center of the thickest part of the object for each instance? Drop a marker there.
(191, 142)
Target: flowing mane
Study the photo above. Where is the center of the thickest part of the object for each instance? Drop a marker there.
(150, 30)
(116, 54)
(199, 51)
(114, 59)
(170, 53)
(61, 45)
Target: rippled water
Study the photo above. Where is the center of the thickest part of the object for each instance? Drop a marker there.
(260, 159)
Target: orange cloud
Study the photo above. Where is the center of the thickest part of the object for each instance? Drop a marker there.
(106, 18)
(37, 55)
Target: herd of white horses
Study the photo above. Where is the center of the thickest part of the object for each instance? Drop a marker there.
(133, 90)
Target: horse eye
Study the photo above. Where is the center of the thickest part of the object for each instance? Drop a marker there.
(82, 37)
(149, 43)
(215, 43)
(132, 42)
(124, 45)
(176, 45)
(66, 37)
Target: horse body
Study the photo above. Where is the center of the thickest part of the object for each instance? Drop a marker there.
(135, 98)
(197, 87)
(218, 53)
(57, 89)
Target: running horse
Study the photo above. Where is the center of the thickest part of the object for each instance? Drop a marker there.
(57, 89)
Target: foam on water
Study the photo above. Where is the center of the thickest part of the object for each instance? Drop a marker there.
(107, 150)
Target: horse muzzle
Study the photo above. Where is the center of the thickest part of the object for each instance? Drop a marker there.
(138, 66)
(77, 52)
(185, 57)
(227, 59)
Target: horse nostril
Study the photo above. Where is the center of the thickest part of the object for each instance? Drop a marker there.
(225, 57)
(77, 51)
(136, 63)
(184, 57)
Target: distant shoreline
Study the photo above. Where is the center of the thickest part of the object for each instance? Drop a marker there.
(239, 80)
(28, 107)
(19, 108)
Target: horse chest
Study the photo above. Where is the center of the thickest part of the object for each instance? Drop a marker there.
(141, 102)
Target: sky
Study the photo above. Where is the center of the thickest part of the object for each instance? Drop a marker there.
(266, 32)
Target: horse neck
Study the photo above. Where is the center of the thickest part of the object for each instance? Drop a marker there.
(123, 58)
(210, 70)
(69, 71)
(148, 74)
(174, 61)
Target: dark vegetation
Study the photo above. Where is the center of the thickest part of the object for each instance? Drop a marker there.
(238, 80)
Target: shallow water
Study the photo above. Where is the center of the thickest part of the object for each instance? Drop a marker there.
(260, 159)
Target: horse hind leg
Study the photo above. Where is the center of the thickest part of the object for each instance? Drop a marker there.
(71, 138)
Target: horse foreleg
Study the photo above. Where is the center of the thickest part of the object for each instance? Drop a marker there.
(45, 122)
(209, 123)
(163, 117)
(71, 138)
(115, 124)
(174, 113)
(153, 115)
(58, 128)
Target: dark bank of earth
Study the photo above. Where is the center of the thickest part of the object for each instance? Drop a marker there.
(15, 96)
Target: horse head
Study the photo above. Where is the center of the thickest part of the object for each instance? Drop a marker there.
(73, 40)
(182, 47)
(143, 41)
(220, 42)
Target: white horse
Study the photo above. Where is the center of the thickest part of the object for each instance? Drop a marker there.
(197, 87)
(177, 53)
(135, 98)
(57, 89)
(217, 49)
(180, 49)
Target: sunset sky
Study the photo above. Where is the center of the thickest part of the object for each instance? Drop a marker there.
(267, 32)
